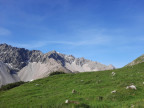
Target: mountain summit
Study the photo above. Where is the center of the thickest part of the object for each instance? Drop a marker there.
(31, 65)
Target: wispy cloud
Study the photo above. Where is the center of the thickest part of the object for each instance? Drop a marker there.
(39, 44)
(4, 31)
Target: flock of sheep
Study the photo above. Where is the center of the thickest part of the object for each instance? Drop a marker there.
(132, 86)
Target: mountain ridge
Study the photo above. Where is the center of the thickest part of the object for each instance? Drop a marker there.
(138, 60)
(33, 64)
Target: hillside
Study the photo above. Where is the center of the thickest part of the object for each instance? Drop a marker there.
(92, 90)
(137, 61)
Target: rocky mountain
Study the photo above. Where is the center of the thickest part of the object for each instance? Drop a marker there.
(7, 75)
(31, 65)
(137, 61)
(36, 70)
(18, 57)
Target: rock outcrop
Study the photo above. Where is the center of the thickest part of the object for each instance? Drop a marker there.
(136, 61)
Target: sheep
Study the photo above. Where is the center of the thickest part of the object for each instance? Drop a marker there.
(68, 101)
(73, 91)
(131, 87)
(113, 73)
(113, 91)
(31, 80)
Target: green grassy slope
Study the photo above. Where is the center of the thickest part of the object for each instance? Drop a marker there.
(52, 92)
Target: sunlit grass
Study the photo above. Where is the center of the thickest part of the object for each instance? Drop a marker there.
(93, 89)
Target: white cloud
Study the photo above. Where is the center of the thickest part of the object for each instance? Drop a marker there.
(4, 31)
(39, 44)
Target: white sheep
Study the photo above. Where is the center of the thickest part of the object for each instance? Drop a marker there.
(113, 73)
(73, 91)
(31, 80)
(67, 101)
(131, 87)
(113, 91)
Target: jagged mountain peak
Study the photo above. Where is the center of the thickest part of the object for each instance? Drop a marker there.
(20, 57)
(4, 45)
(33, 64)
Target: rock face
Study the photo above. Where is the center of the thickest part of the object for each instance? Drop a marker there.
(137, 61)
(18, 57)
(7, 75)
(36, 70)
(31, 65)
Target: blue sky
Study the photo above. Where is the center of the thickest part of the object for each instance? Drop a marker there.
(107, 31)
